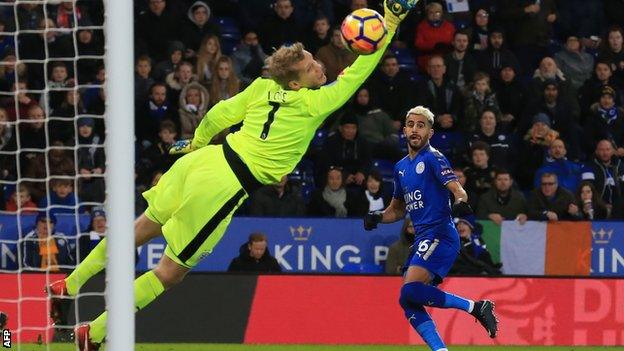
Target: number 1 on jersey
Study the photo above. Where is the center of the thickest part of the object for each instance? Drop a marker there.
(270, 119)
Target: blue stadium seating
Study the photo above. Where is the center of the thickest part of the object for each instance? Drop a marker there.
(319, 139)
(386, 168)
(228, 25)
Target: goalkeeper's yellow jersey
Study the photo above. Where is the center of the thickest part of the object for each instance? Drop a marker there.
(279, 124)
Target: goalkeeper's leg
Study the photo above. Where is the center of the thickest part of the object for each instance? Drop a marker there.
(146, 289)
(144, 230)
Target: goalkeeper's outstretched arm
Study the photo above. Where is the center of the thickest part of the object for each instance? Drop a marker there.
(329, 98)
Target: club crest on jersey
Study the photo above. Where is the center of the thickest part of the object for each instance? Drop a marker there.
(420, 167)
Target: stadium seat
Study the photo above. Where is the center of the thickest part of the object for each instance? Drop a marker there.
(319, 139)
(386, 168)
(228, 25)
(404, 56)
(403, 142)
(362, 268)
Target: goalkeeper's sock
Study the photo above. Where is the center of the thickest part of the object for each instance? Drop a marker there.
(92, 265)
(146, 289)
(417, 293)
(420, 320)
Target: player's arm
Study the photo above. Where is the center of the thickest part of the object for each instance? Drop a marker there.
(329, 98)
(394, 212)
(461, 207)
(223, 115)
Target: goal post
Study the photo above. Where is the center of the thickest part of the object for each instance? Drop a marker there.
(119, 36)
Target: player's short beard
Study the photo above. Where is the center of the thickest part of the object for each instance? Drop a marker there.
(423, 142)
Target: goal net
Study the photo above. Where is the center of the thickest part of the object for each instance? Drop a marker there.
(52, 157)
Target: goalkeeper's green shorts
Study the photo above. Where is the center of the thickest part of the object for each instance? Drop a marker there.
(194, 201)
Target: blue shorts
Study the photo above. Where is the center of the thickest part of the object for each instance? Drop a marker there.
(435, 254)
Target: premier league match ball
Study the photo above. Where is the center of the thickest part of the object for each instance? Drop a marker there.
(364, 31)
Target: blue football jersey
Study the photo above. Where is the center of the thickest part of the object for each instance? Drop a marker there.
(421, 183)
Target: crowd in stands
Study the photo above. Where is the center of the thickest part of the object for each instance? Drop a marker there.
(527, 96)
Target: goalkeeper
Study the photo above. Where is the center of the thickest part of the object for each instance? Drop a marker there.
(193, 202)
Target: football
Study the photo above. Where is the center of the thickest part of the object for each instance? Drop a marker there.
(364, 31)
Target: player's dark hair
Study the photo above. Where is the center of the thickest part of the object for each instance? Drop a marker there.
(256, 237)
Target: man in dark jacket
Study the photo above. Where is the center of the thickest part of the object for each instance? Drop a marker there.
(392, 89)
(473, 258)
(550, 202)
(497, 56)
(254, 256)
(281, 28)
(461, 64)
(277, 200)
(502, 202)
(40, 253)
(606, 171)
(197, 25)
(437, 93)
(154, 29)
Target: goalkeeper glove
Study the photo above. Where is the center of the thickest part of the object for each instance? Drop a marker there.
(371, 219)
(461, 209)
(395, 11)
(181, 147)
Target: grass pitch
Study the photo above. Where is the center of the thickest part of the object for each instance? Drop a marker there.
(238, 347)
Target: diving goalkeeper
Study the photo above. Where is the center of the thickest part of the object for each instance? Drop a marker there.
(193, 202)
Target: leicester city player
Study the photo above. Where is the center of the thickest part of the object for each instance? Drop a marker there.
(193, 202)
(422, 181)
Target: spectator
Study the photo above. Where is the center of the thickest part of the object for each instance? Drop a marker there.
(511, 96)
(433, 35)
(335, 56)
(142, 79)
(480, 173)
(568, 172)
(64, 130)
(476, 100)
(536, 142)
(562, 113)
(156, 110)
(549, 71)
(607, 174)
(308, 10)
(176, 81)
(62, 197)
(613, 50)
(461, 64)
(347, 150)
(442, 97)
(374, 192)
(473, 258)
(64, 14)
(497, 56)
(154, 29)
(91, 162)
(60, 160)
(502, 202)
(575, 63)
(375, 126)
(156, 157)
(550, 202)
(399, 251)
(46, 249)
(589, 202)
(225, 84)
(255, 257)
(24, 102)
(606, 121)
(32, 131)
(278, 200)
(96, 231)
(392, 89)
(207, 57)
(334, 200)
(194, 101)
(480, 30)
(8, 141)
(175, 52)
(88, 44)
(319, 36)
(583, 19)
(58, 80)
(21, 201)
(11, 71)
(501, 144)
(196, 26)
(248, 58)
(530, 22)
(7, 42)
(591, 91)
(281, 28)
